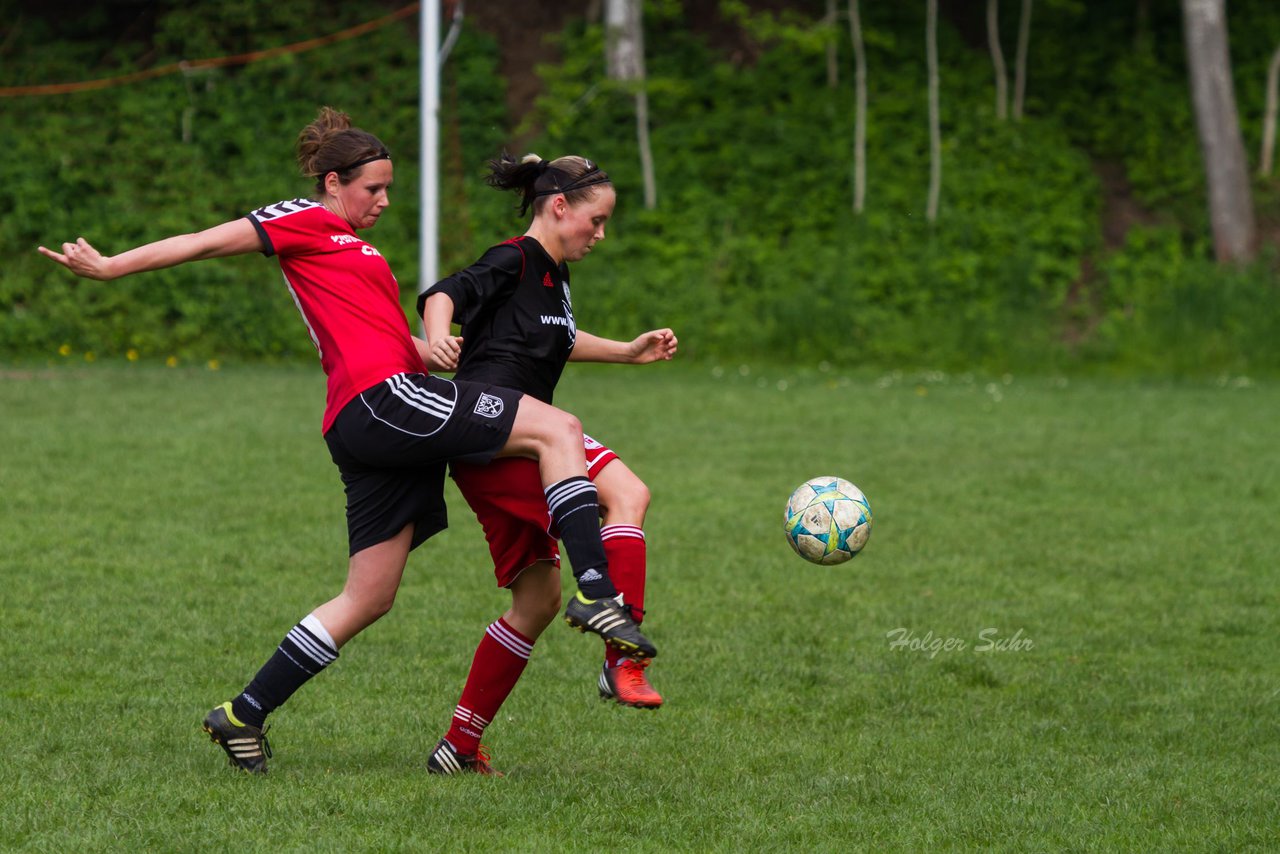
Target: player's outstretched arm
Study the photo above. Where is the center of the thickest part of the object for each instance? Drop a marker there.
(443, 349)
(653, 346)
(237, 237)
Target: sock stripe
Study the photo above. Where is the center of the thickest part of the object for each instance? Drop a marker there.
(296, 663)
(511, 641)
(560, 517)
(313, 625)
(466, 716)
(567, 490)
(311, 646)
(610, 532)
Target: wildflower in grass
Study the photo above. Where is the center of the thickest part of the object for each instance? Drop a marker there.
(214, 364)
(131, 354)
(64, 350)
(89, 356)
(172, 361)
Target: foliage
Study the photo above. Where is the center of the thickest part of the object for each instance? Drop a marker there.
(755, 240)
(125, 165)
(1170, 309)
(754, 245)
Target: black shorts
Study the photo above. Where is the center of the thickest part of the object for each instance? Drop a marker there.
(391, 444)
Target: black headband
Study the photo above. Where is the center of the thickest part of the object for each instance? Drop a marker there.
(383, 156)
(590, 178)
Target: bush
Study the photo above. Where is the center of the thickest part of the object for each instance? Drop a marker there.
(753, 247)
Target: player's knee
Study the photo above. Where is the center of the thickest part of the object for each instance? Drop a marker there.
(637, 496)
(547, 430)
(568, 427)
(375, 606)
(627, 498)
(536, 613)
(549, 608)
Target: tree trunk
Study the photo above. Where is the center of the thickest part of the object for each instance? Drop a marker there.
(833, 70)
(860, 109)
(646, 149)
(1141, 23)
(1020, 62)
(1221, 146)
(1269, 119)
(455, 30)
(935, 129)
(997, 59)
(624, 55)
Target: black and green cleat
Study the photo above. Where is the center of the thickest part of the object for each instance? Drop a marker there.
(246, 746)
(609, 619)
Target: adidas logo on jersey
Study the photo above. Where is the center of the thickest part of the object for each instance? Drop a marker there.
(546, 281)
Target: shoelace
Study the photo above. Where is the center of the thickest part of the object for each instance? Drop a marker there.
(633, 671)
(482, 760)
(266, 745)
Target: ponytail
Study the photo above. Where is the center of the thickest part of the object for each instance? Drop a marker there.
(535, 178)
(331, 144)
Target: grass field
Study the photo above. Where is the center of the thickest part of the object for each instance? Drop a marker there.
(1062, 635)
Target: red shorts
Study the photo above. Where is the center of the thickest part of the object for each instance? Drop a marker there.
(507, 497)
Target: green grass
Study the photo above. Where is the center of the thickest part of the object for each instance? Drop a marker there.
(160, 529)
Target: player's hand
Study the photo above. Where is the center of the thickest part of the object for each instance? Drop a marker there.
(445, 353)
(81, 259)
(653, 346)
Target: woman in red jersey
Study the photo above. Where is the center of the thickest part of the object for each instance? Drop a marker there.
(518, 331)
(390, 426)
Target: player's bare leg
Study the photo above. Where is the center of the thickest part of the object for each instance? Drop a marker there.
(373, 577)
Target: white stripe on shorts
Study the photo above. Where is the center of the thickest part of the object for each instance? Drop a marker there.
(429, 402)
(599, 457)
(444, 415)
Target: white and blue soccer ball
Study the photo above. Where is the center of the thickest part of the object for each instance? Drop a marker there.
(828, 520)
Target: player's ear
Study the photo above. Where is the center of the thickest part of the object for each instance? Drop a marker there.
(331, 183)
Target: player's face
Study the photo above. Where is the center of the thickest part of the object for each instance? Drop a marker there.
(583, 224)
(362, 201)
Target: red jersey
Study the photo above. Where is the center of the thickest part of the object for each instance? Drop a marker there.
(347, 295)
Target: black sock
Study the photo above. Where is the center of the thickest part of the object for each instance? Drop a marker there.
(302, 654)
(575, 509)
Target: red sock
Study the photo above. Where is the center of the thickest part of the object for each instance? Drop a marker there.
(624, 547)
(500, 659)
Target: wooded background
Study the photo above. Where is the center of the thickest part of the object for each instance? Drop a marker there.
(988, 185)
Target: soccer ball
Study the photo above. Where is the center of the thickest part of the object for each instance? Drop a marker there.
(828, 520)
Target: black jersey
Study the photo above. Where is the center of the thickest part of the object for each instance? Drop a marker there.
(516, 317)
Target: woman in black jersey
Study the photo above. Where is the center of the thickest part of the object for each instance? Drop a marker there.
(518, 331)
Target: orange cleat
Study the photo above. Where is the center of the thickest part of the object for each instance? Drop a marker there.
(627, 685)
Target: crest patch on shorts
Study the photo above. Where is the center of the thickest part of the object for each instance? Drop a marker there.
(489, 406)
